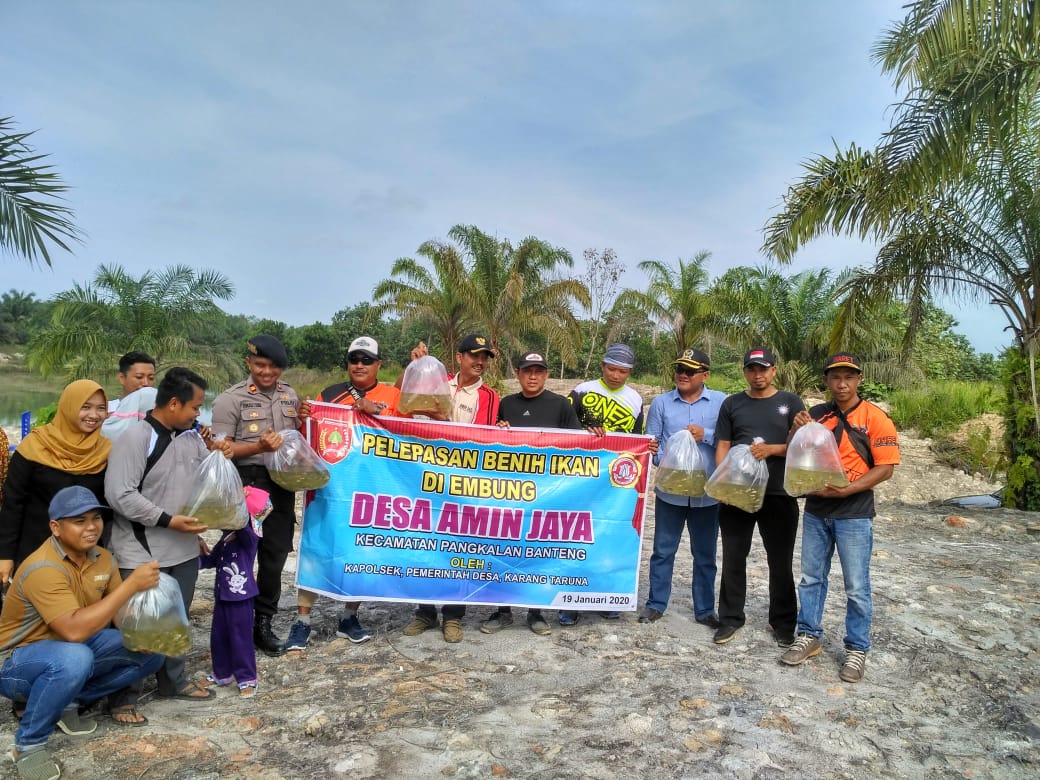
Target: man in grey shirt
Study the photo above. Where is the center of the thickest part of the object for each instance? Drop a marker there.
(151, 472)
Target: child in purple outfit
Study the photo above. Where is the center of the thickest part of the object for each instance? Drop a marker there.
(231, 634)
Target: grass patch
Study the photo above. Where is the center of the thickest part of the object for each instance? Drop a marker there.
(941, 407)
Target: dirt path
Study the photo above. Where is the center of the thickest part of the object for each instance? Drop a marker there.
(951, 687)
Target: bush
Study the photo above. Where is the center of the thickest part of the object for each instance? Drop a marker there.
(940, 407)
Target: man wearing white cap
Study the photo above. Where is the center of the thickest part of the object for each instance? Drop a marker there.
(608, 404)
(365, 393)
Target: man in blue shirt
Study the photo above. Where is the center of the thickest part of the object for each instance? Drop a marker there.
(694, 407)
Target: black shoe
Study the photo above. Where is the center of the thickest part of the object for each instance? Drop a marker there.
(264, 638)
(724, 634)
(711, 621)
(650, 615)
(783, 640)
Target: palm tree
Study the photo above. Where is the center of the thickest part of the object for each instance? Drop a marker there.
(438, 296)
(517, 292)
(161, 313)
(678, 300)
(31, 216)
(951, 192)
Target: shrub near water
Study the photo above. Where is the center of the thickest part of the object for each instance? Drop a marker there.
(941, 406)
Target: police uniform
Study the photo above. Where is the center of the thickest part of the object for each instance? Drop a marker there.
(244, 412)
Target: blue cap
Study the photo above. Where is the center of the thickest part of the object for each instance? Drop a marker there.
(620, 355)
(73, 502)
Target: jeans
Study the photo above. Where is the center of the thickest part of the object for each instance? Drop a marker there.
(854, 538)
(777, 522)
(703, 524)
(49, 675)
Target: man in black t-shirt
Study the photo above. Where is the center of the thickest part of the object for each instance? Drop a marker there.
(532, 407)
(762, 411)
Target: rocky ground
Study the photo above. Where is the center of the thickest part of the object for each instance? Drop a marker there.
(951, 687)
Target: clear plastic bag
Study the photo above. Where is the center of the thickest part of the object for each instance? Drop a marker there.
(154, 621)
(132, 408)
(424, 388)
(218, 500)
(740, 480)
(681, 469)
(295, 465)
(813, 461)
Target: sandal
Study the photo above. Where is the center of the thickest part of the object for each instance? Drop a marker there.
(213, 681)
(127, 711)
(193, 691)
(248, 689)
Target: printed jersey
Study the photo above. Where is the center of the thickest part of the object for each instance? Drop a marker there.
(884, 447)
(617, 411)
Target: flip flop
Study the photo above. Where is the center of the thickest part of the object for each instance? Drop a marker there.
(193, 687)
(128, 709)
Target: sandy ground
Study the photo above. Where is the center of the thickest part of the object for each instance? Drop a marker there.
(951, 689)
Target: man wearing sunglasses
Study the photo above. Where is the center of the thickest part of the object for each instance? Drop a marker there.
(252, 414)
(694, 407)
(365, 393)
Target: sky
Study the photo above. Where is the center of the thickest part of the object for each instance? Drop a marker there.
(301, 148)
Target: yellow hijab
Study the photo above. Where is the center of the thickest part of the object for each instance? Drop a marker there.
(60, 443)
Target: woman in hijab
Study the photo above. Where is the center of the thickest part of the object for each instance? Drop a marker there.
(69, 450)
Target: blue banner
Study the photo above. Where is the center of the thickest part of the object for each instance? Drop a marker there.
(434, 512)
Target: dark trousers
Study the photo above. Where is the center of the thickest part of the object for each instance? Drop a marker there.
(276, 543)
(778, 526)
(450, 611)
(231, 641)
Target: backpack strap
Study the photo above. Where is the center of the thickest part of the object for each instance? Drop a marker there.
(857, 438)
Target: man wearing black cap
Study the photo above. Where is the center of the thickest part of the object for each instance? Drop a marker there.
(762, 411)
(251, 414)
(472, 402)
(842, 518)
(694, 407)
(58, 648)
(532, 407)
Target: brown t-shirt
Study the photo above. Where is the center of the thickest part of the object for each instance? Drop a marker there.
(48, 585)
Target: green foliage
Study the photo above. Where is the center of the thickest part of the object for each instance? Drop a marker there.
(163, 313)
(317, 346)
(1022, 435)
(20, 314)
(32, 216)
(875, 391)
(941, 406)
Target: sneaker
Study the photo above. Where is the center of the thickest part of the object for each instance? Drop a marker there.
(419, 624)
(854, 666)
(35, 765)
(452, 630)
(299, 636)
(351, 628)
(537, 623)
(496, 622)
(803, 648)
(711, 621)
(724, 633)
(650, 615)
(569, 618)
(611, 615)
(74, 724)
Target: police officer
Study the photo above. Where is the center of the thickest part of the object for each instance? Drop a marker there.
(252, 414)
